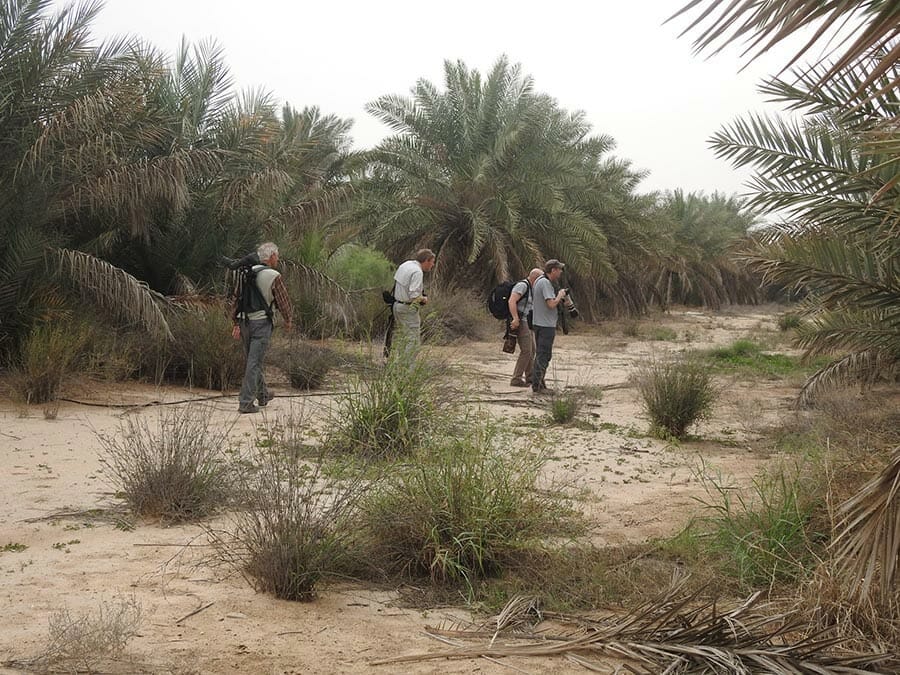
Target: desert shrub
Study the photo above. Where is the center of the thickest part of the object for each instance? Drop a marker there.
(564, 406)
(364, 272)
(173, 470)
(386, 413)
(789, 321)
(294, 522)
(86, 641)
(463, 510)
(47, 356)
(676, 394)
(305, 364)
(202, 354)
(764, 535)
(662, 334)
(455, 314)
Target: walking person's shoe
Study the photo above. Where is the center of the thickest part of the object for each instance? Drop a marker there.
(248, 410)
(263, 402)
(518, 382)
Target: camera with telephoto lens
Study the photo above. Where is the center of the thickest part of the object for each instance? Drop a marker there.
(569, 304)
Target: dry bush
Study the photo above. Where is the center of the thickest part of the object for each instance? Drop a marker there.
(47, 356)
(173, 469)
(294, 522)
(455, 314)
(83, 641)
(306, 365)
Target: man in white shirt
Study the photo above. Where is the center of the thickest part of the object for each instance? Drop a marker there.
(409, 295)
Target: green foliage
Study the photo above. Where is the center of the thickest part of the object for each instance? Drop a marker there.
(173, 471)
(47, 355)
(662, 334)
(364, 272)
(13, 547)
(462, 510)
(388, 413)
(763, 537)
(749, 357)
(676, 394)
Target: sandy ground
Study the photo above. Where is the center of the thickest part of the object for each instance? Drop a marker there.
(633, 489)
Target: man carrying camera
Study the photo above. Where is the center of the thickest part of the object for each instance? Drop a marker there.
(521, 301)
(545, 316)
(409, 295)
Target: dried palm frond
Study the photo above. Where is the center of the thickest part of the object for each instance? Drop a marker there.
(868, 543)
(678, 633)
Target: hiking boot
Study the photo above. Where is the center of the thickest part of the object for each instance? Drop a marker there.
(263, 402)
(518, 382)
(251, 409)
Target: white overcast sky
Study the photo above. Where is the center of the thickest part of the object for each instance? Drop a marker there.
(636, 80)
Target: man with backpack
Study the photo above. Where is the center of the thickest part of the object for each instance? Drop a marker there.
(546, 300)
(520, 306)
(260, 288)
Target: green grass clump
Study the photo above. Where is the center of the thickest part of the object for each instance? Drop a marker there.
(464, 510)
(749, 357)
(676, 394)
(174, 470)
(761, 536)
(387, 413)
(662, 334)
(564, 406)
(789, 321)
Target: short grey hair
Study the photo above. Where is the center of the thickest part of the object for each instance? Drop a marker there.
(266, 251)
(424, 255)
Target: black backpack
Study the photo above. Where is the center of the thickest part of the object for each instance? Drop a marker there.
(245, 289)
(498, 300)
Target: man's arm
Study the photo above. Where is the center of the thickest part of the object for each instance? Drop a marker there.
(513, 304)
(283, 302)
(416, 288)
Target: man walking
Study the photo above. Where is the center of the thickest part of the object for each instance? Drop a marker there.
(521, 301)
(546, 299)
(409, 296)
(254, 324)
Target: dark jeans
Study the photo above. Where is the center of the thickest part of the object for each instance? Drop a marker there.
(543, 337)
(255, 336)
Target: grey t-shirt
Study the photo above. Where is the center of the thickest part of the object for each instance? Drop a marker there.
(524, 303)
(543, 315)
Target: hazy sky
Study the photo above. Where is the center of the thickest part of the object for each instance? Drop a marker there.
(635, 79)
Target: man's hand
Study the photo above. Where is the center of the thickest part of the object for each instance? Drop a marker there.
(236, 332)
(514, 323)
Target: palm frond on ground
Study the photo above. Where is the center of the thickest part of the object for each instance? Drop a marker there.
(867, 546)
(676, 633)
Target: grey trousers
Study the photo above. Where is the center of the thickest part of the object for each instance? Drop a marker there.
(255, 338)
(525, 363)
(407, 330)
(543, 338)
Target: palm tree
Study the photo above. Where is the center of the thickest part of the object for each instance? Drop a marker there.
(73, 124)
(492, 175)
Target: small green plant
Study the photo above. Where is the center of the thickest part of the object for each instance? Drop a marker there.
(294, 521)
(13, 547)
(564, 406)
(662, 334)
(386, 414)
(175, 470)
(464, 510)
(748, 356)
(789, 321)
(676, 394)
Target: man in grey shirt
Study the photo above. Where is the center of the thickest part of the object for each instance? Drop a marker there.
(521, 301)
(546, 300)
